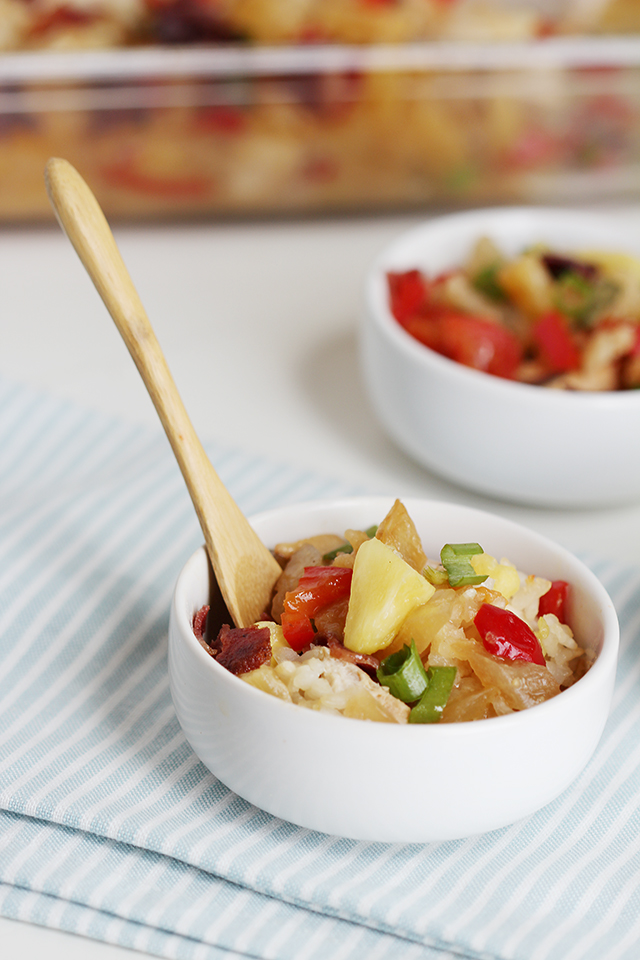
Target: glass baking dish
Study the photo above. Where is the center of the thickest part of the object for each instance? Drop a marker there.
(235, 130)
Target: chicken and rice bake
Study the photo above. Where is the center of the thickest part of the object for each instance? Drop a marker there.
(366, 626)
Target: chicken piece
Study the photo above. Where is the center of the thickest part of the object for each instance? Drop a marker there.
(602, 379)
(321, 682)
(601, 359)
(355, 538)
(323, 542)
(458, 292)
(609, 343)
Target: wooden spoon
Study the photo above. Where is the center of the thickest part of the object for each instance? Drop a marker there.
(244, 568)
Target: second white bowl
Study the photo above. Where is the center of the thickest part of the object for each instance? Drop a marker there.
(504, 439)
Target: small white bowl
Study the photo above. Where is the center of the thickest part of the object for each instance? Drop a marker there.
(504, 439)
(388, 782)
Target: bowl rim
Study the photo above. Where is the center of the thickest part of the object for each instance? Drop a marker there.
(604, 663)
(377, 310)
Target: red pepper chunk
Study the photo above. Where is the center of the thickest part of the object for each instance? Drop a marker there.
(407, 294)
(553, 337)
(317, 588)
(473, 341)
(482, 344)
(505, 635)
(554, 600)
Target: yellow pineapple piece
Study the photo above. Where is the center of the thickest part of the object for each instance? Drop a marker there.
(277, 636)
(266, 679)
(505, 576)
(424, 622)
(528, 284)
(384, 591)
(612, 261)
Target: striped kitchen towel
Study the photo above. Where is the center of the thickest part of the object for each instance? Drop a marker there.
(111, 828)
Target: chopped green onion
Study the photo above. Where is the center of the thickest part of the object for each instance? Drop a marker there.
(330, 557)
(435, 576)
(486, 281)
(404, 674)
(574, 295)
(434, 699)
(584, 300)
(461, 179)
(604, 293)
(346, 547)
(455, 560)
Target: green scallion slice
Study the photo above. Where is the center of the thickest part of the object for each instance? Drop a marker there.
(455, 560)
(435, 576)
(346, 547)
(403, 673)
(433, 701)
(486, 281)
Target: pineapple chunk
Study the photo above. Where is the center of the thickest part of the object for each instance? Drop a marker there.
(504, 575)
(266, 679)
(277, 635)
(528, 284)
(613, 262)
(384, 590)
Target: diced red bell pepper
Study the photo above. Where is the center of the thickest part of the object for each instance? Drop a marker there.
(317, 588)
(407, 294)
(635, 350)
(554, 600)
(473, 341)
(481, 344)
(221, 118)
(426, 329)
(125, 175)
(535, 149)
(61, 17)
(558, 349)
(505, 635)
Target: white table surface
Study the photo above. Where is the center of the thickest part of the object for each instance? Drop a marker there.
(258, 325)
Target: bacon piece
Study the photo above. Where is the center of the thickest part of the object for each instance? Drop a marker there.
(199, 627)
(199, 623)
(241, 649)
(557, 265)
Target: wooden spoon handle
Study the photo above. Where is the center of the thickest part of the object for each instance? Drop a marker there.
(244, 568)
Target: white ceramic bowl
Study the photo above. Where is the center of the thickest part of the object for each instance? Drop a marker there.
(388, 782)
(504, 439)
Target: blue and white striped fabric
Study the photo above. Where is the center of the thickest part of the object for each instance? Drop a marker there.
(111, 828)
